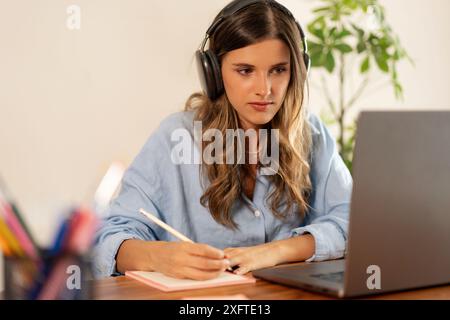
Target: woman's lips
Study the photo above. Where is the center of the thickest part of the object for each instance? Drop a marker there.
(261, 107)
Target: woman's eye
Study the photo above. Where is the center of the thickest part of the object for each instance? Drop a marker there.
(244, 71)
(279, 70)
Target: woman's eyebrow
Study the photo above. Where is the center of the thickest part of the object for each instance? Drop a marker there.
(252, 66)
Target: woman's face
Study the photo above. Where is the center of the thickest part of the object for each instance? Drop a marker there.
(256, 78)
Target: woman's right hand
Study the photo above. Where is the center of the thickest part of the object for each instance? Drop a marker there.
(182, 260)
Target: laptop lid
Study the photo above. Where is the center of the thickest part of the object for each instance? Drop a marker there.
(399, 232)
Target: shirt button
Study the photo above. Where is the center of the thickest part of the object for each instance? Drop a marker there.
(257, 213)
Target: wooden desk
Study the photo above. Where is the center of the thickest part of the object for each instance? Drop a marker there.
(126, 288)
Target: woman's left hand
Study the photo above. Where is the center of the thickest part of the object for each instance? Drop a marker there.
(270, 254)
(247, 259)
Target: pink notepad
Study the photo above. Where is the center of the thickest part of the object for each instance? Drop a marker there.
(168, 284)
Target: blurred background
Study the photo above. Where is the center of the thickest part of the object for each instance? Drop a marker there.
(76, 96)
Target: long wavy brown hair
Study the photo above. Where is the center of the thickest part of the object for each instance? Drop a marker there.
(292, 184)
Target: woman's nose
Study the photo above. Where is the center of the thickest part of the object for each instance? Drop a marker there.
(263, 85)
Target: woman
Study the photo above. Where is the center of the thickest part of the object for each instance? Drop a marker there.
(239, 214)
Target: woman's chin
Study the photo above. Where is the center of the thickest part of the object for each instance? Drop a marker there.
(262, 119)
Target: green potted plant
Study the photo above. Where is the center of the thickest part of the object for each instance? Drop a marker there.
(345, 31)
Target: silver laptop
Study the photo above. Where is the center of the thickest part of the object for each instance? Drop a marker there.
(399, 231)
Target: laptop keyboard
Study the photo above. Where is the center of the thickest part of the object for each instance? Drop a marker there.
(333, 276)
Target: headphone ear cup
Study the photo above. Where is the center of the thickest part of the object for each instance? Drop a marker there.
(216, 75)
(204, 70)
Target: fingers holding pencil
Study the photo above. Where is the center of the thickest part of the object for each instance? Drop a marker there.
(200, 250)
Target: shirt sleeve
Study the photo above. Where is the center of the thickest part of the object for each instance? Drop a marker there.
(140, 188)
(328, 217)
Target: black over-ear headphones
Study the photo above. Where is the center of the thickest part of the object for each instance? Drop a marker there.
(207, 62)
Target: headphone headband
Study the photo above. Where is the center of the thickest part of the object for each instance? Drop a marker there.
(237, 5)
(231, 9)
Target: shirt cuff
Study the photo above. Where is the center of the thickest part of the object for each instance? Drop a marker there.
(106, 254)
(329, 242)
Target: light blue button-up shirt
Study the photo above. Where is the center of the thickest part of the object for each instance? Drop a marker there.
(172, 192)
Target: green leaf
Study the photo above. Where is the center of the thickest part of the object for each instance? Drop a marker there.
(319, 21)
(323, 58)
(318, 59)
(333, 32)
(385, 42)
(359, 30)
(344, 33)
(317, 32)
(398, 90)
(352, 4)
(330, 62)
(343, 47)
(317, 27)
(321, 9)
(365, 65)
(396, 55)
(394, 73)
(382, 62)
(374, 41)
(314, 47)
(361, 47)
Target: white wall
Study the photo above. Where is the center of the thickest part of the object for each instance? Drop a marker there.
(71, 102)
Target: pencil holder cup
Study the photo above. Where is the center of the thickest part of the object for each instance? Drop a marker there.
(63, 276)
